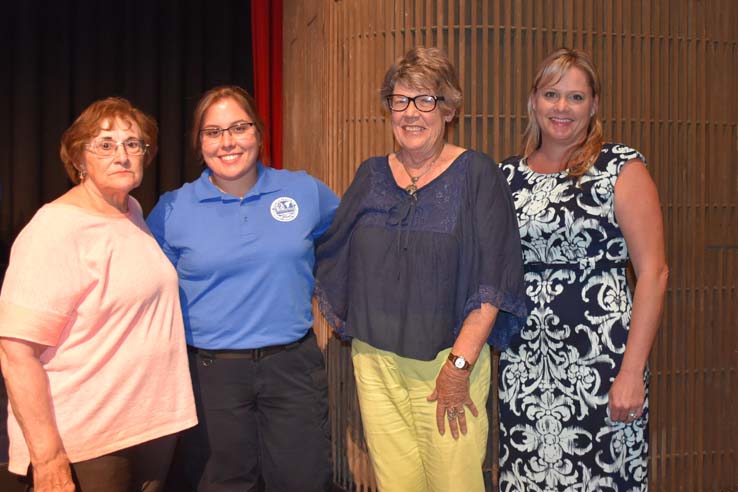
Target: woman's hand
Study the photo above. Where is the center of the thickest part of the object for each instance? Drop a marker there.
(626, 396)
(53, 475)
(452, 384)
(452, 395)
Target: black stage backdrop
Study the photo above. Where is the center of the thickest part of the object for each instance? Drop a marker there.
(59, 56)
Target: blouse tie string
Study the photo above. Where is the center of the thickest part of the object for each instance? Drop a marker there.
(401, 216)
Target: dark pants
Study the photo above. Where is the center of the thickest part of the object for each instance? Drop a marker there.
(140, 468)
(260, 419)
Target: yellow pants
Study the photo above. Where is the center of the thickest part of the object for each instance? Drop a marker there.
(407, 452)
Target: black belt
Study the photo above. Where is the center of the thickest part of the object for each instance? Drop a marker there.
(255, 354)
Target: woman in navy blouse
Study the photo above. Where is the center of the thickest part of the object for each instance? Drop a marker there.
(422, 259)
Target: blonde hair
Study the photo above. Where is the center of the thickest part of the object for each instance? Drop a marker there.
(89, 123)
(216, 94)
(429, 69)
(552, 68)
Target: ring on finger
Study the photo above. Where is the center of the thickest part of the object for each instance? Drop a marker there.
(460, 411)
(632, 415)
(451, 414)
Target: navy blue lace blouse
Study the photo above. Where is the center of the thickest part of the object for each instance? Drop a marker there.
(402, 274)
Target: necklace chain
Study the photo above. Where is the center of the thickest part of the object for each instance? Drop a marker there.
(412, 188)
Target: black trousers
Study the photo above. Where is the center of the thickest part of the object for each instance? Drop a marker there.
(140, 468)
(260, 420)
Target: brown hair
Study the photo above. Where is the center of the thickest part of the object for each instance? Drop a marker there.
(242, 98)
(429, 69)
(550, 71)
(90, 122)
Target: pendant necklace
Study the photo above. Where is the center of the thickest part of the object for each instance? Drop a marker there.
(412, 188)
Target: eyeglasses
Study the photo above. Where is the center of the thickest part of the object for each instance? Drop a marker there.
(238, 130)
(423, 102)
(107, 147)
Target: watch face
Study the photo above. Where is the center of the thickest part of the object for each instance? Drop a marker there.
(460, 362)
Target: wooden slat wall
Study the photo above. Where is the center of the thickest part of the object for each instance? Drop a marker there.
(670, 76)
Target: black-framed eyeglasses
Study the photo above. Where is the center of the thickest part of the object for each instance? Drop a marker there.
(107, 147)
(423, 102)
(238, 130)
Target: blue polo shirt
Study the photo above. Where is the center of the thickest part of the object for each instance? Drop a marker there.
(245, 266)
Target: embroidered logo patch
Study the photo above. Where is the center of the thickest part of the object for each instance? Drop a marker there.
(285, 209)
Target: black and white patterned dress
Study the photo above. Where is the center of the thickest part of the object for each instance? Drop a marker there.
(555, 433)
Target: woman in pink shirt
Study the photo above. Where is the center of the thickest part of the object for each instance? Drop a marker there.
(91, 336)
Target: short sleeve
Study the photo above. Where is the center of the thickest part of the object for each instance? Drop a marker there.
(158, 220)
(626, 154)
(327, 205)
(44, 281)
(500, 262)
(333, 249)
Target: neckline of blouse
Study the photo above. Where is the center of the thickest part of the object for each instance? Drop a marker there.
(92, 212)
(388, 170)
(524, 160)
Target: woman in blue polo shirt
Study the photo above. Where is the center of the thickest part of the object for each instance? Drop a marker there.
(242, 240)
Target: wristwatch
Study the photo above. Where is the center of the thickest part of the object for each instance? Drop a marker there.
(459, 362)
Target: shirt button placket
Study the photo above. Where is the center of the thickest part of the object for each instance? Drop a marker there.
(244, 220)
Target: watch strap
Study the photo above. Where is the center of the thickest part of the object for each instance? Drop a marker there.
(454, 360)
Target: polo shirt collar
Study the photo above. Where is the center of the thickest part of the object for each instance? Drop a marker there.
(265, 183)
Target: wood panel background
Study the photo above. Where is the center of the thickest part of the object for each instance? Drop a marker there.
(670, 79)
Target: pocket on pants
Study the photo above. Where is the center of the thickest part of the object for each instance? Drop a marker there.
(319, 379)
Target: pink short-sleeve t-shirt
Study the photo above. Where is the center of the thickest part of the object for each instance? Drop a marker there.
(101, 294)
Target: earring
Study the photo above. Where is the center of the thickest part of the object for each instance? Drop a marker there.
(82, 174)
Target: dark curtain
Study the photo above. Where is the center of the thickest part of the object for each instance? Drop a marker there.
(59, 56)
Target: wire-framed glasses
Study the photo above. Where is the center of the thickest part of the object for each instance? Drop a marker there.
(238, 130)
(107, 147)
(424, 102)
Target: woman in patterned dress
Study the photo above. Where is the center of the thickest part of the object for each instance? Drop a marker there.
(574, 385)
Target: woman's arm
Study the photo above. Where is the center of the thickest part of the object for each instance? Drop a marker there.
(639, 216)
(475, 332)
(500, 286)
(452, 384)
(28, 392)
